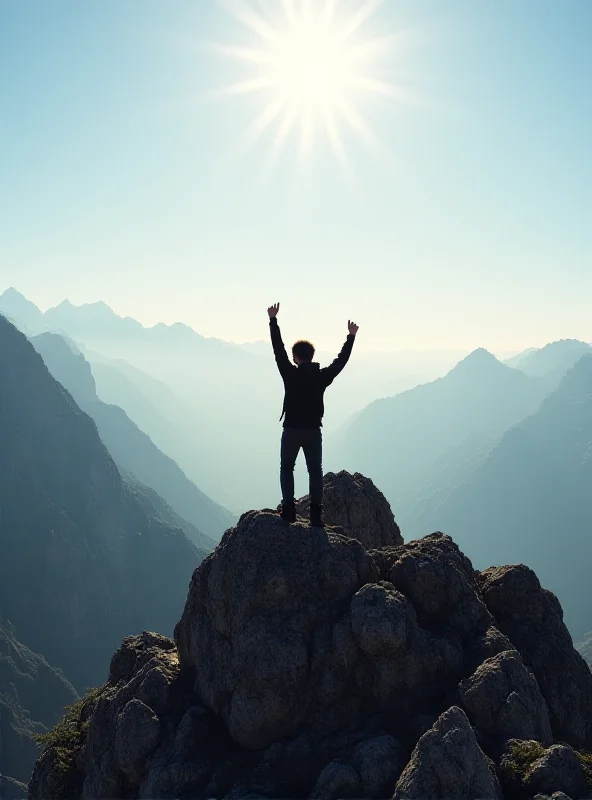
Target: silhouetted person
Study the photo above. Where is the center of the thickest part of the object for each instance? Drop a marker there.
(304, 383)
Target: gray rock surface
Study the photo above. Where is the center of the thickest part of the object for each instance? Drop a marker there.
(531, 617)
(299, 631)
(336, 781)
(448, 763)
(503, 700)
(307, 666)
(354, 503)
(379, 762)
(529, 770)
(558, 770)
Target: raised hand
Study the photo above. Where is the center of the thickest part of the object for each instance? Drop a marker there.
(273, 310)
(352, 327)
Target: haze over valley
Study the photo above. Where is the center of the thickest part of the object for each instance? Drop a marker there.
(295, 400)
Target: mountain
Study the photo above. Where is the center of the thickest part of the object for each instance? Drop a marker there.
(553, 360)
(32, 698)
(403, 441)
(516, 359)
(132, 450)
(530, 500)
(337, 663)
(82, 561)
(21, 311)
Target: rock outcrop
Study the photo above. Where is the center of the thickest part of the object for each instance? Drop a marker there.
(308, 665)
(531, 617)
(353, 502)
(448, 763)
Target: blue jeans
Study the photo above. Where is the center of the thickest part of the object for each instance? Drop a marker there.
(311, 441)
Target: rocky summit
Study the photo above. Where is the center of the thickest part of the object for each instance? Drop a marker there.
(337, 663)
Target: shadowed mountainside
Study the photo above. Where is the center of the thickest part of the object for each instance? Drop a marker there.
(32, 698)
(530, 500)
(428, 436)
(131, 448)
(80, 555)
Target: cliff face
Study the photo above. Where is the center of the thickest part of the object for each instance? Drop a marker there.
(306, 665)
(82, 562)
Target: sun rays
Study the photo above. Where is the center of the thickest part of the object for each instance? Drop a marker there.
(310, 68)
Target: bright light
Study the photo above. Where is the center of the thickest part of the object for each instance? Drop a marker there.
(312, 68)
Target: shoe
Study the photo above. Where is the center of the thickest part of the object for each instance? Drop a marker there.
(316, 516)
(288, 512)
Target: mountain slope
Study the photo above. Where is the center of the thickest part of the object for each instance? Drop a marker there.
(23, 312)
(80, 554)
(32, 698)
(530, 501)
(132, 449)
(401, 440)
(553, 360)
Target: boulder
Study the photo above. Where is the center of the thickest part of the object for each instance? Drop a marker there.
(502, 700)
(532, 619)
(299, 631)
(126, 726)
(379, 762)
(527, 769)
(305, 665)
(558, 770)
(353, 503)
(448, 763)
(440, 582)
(337, 781)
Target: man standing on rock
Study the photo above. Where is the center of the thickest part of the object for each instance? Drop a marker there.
(304, 384)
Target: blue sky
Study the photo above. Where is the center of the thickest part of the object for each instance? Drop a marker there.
(120, 180)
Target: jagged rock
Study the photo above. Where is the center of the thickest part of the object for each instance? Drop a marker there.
(531, 617)
(503, 700)
(298, 631)
(440, 582)
(559, 770)
(486, 646)
(307, 666)
(137, 734)
(448, 763)
(528, 769)
(264, 608)
(353, 503)
(379, 762)
(124, 728)
(337, 781)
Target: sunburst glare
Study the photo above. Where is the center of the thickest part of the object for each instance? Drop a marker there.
(311, 66)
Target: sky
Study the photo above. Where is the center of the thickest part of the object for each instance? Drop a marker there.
(126, 175)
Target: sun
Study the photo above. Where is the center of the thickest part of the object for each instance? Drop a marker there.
(311, 66)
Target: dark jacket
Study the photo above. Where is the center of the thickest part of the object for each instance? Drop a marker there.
(305, 385)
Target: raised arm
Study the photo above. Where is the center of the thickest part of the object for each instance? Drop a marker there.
(332, 371)
(279, 351)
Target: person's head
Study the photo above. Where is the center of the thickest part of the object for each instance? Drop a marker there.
(302, 352)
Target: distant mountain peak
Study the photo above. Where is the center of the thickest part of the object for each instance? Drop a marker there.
(16, 306)
(478, 362)
(12, 293)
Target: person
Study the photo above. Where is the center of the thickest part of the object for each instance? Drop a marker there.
(304, 386)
